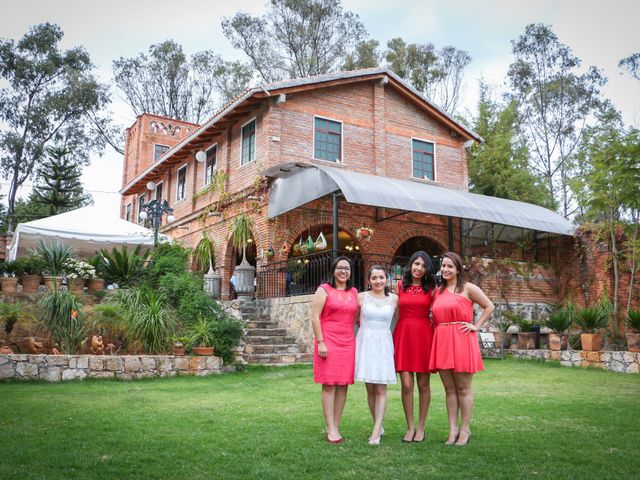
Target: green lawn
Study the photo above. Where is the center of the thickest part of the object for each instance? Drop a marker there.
(531, 421)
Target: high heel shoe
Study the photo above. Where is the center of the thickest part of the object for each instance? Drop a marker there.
(381, 431)
(458, 444)
(404, 440)
(418, 441)
(452, 442)
(375, 441)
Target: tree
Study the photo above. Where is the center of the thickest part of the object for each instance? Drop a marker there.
(48, 93)
(296, 38)
(608, 184)
(166, 82)
(554, 102)
(632, 65)
(499, 166)
(438, 74)
(59, 188)
(365, 55)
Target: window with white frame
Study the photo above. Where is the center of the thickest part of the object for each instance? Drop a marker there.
(210, 164)
(327, 140)
(127, 213)
(159, 151)
(181, 184)
(248, 140)
(423, 159)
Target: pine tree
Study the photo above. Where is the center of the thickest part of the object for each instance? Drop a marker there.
(58, 188)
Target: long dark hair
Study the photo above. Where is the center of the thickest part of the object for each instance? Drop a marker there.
(378, 267)
(428, 281)
(331, 280)
(460, 280)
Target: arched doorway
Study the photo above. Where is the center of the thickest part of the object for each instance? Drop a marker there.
(409, 247)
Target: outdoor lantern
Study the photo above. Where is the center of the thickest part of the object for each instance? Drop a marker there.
(201, 156)
(143, 215)
(151, 186)
(171, 219)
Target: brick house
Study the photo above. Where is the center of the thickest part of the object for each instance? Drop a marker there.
(359, 149)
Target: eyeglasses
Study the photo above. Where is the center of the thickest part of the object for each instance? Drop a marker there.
(343, 269)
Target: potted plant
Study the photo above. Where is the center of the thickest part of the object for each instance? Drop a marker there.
(96, 283)
(180, 345)
(205, 256)
(502, 336)
(31, 278)
(54, 255)
(559, 322)
(591, 320)
(526, 332)
(201, 336)
(77, 273)
(633, 330)
(9, 279)
(244, 273)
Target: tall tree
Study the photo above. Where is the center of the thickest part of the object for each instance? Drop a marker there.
(438, 74)
(48, 91)
(555, 101)
(365, 55)
(631, 64)
(499, 166)
(166, 82)
(59, 188)
(608, 184)
(296, 38)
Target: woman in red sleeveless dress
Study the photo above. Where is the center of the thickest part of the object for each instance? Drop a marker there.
(333, 313)
(455, 353)
(412, 340)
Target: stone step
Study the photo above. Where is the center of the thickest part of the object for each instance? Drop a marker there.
(278, 359)
(265, 332)
(268, 340)
(277, 348)
(260, 324)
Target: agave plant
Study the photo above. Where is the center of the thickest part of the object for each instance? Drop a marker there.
(202, 332)
(633, 320)
(591, 319)
(123, 267)
(54, 254)
(559, 320)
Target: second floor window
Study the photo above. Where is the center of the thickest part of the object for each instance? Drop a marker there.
(423, 166)
(328, 140)
(248, 136)
(159, 151)
(159, 192)
(210, 164)
(127, 213)
(141, 201)
(181, 186)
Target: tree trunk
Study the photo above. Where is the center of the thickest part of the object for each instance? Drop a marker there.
(633, 267)
(616, 278)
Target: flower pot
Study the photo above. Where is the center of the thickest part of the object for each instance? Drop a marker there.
(591, 342)
(75, 285)
(30, 283)
(502, 339)
(178, 351)
(202, 350)
(526, 340)
(558, 341)
(9, 284)
(52, 283)
(633, 342)
(95, 284)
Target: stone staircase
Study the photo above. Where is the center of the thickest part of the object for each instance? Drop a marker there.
(265, 343)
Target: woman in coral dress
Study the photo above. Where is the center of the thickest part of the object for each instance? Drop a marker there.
(333, 312)
(412, 340)
(455, 353)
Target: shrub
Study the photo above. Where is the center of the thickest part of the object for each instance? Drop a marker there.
(12, 312)
(33, 265)
(559, 320)
(106, 319)
(122, 267)
(167, 258)
(524, 325)
(227, 335)
(591, 319)
(61, 314)
(633, 320)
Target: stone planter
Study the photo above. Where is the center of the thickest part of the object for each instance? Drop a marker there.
(591, 342)
(558, 341)
(75, 285)
(202, 350)
(502, 339)
(245, 277)
(30, 283)
(95, 284)
(52, 283)
(633, 342)
(9, 284)
(526, 340)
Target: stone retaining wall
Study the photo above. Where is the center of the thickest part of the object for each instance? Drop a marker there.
(56, 368)
(294, 315)
(624, 362)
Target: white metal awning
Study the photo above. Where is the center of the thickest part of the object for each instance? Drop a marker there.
(295, 185)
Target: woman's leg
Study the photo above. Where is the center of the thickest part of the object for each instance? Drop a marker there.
(338, 406)
(371, 399)
(424, 400)
(452, 404)
(380, 409)
(406, 379)
(328, 408)
(465, 403)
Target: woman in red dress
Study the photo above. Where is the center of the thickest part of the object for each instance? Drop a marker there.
(333, 312)
(412, 340)
(455, 353)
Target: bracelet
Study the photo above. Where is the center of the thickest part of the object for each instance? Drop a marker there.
(320, 341)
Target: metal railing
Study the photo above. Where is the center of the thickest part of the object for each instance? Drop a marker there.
(302, 275)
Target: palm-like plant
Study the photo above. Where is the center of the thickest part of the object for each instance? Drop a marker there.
(61, 314)
(12, 312)
(241, 233)
(205, 253)
(202, 332)
(633, 320)
(591, 319)
(559, 320)
(54, 254)
(123, 267)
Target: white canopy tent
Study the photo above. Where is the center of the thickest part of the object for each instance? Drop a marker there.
(87, 229)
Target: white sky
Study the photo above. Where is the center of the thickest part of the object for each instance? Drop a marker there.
(598, 32)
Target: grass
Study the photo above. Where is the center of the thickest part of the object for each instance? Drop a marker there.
(531, 421)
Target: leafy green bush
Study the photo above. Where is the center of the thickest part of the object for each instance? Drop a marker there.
(33, 265)
(227, 335)
(107, 319)
(166, 258)
(12, 312)
(591, 319)
(201, 332)
(524, 325)
(61, 314)
(123, 267)
(633, 320)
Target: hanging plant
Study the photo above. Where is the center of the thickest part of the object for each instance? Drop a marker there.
(364, 233)
(241, 233)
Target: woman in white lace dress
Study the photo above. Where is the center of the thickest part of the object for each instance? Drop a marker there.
(374, 345)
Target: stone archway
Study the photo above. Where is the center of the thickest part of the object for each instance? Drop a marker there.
(411, 245)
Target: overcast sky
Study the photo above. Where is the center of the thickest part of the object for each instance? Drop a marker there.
(598, 32)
